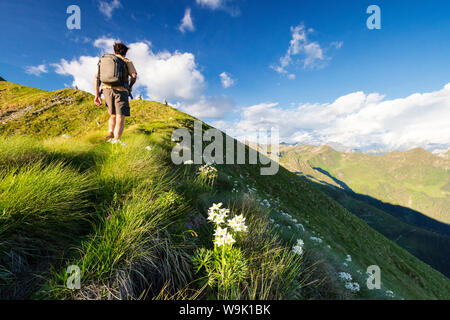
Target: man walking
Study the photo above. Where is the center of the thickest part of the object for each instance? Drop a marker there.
(114, 72)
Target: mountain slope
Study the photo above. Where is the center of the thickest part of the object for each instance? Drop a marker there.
(415, 179)
(113, 263)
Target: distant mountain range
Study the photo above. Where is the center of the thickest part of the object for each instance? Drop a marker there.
(377, 150)
(415, 179)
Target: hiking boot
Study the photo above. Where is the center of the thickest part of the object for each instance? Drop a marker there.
(109, 137)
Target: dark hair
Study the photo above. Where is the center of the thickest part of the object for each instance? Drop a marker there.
(120, 48)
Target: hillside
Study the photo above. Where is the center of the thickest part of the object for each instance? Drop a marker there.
(415, 179)
(426, 238)
(136, 226)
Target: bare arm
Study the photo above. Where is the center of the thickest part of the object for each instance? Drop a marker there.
(133, 79)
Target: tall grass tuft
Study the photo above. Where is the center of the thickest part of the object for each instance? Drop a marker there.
(41, 208)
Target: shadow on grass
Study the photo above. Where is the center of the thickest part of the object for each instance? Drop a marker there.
(423, 237)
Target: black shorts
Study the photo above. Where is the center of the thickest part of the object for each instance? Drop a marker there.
(117, 102)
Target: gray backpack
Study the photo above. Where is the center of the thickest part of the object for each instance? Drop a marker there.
(113, 71)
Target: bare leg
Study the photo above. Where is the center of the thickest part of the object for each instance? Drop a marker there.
(111, 125)
(119, 126)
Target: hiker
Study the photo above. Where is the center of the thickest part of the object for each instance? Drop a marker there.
(114, 71)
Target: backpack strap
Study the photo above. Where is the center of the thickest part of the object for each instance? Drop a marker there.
(99, 83)
(125, 81)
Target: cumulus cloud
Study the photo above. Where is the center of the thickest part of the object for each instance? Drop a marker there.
(356, 120)
(173, 76)
(225, 5)
(209, 107)
(186, 22)
(311, 53)
(36, 70)
(107, 8)
(226, 80)
(82, 70)
(163, 75)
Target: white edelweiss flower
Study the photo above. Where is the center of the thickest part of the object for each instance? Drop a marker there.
(233, 224)
(300, 242)
(216, 206)
(220, 232)
(240, 218)
(229, 239)
(352, 286)
(390, 293)
(349, 258)
(316, 239)
(219, 219)
(219, 241)
(345, 276)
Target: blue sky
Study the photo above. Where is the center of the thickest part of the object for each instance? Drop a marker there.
(245, 39)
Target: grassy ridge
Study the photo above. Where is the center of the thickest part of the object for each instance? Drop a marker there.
(147, 217)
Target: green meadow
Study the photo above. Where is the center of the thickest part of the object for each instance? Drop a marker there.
(136, 225)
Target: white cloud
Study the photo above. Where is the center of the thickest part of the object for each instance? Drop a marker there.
(165, 75)
(226, 80)
(82, 70)
(209, 107)
(311, 52)
(225, 5)
(356, 120)
(107, 8)
(105, 44)
(173, 76)
(36, 70)
(186, 22)
(212, 4)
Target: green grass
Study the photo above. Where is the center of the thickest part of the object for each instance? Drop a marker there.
(142, 219)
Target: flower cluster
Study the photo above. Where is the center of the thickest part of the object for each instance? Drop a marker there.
(348, 258)
(223, 237)
(238, 223)
(208, 171)
(265, 203)
(298, 248)
(352, 286)
(218, 216)
(390, 293)
(316, 239)
(349, 285)
(345, 276)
